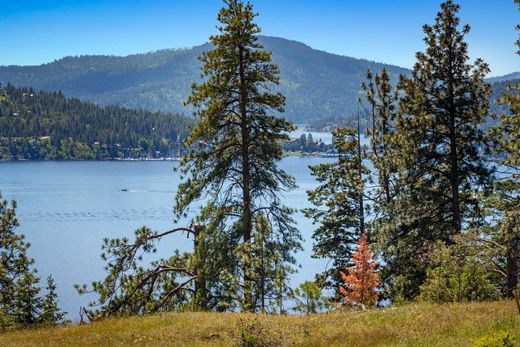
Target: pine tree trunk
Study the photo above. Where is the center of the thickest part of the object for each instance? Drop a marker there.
(260, 237)
(512, 254)
(512, 271)
(360, 173)
(246, 190)
(456, 220)
(199, 287)
(386, 174)
(455, 182)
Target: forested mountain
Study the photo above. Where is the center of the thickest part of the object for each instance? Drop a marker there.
(317, 84)
(46, 125)
(508, 77)
(320, 87)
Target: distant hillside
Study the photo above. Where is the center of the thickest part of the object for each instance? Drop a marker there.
(321, 88)
(508, 77)
(46, 125)
(317, 84)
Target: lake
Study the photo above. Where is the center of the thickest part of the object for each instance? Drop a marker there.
(66, 209)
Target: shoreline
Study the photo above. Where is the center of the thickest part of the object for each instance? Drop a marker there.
(175, 159)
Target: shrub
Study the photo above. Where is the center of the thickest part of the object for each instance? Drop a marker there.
(309, 299)
(458, 274)
(252, 333)
(503, 339)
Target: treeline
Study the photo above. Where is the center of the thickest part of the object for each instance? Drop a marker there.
(440, 201)
(47, 126)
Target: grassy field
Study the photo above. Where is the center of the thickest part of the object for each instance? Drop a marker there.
(409, 325)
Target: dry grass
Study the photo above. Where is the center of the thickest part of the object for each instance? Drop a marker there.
(409, 325)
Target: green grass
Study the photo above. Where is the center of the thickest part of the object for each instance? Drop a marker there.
(408, 325)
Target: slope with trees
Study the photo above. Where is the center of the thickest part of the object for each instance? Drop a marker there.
(317, 84)
(44, 125)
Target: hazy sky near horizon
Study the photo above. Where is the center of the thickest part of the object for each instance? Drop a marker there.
(39, 31)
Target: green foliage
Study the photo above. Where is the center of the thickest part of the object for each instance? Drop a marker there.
(504, 205)
(269, 269)
(50, 313)
(458, 273)
(317, 84)
(309, 298)
(132, 288)
(338, 204)
(502, 339)
(439, 144)
(382, 104)
(43, 125)
(232, 161)
(20, 301)
(506, 137)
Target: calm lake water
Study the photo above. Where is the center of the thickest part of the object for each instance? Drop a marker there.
(66, 209)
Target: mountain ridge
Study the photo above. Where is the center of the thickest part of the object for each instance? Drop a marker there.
(318, 84)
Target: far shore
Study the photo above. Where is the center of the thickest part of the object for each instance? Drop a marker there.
(176, 159)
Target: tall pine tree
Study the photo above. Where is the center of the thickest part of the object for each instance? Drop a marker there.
(381, 97)
(235, 146)
(505, 202)
(380, 104)
(440, 142)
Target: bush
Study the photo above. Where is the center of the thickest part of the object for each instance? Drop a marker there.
(252, 333)
(458, 274)
(503, 339)
(309, 299)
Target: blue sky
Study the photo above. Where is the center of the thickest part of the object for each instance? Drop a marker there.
(35, 32)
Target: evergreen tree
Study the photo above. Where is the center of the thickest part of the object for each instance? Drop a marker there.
(132, 288)
(309, 298)
(459, 273)
(310, 143)
(440, 142)
(50, 313)
(269, 272)
(28, 304)
(339, 204)
(235, 146)
(20, 300)
(359, 287)
(505, 202)
(303, 142)
(382, 109)
(381, 106)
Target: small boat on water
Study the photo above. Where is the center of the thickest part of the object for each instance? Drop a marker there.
(125, 190)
